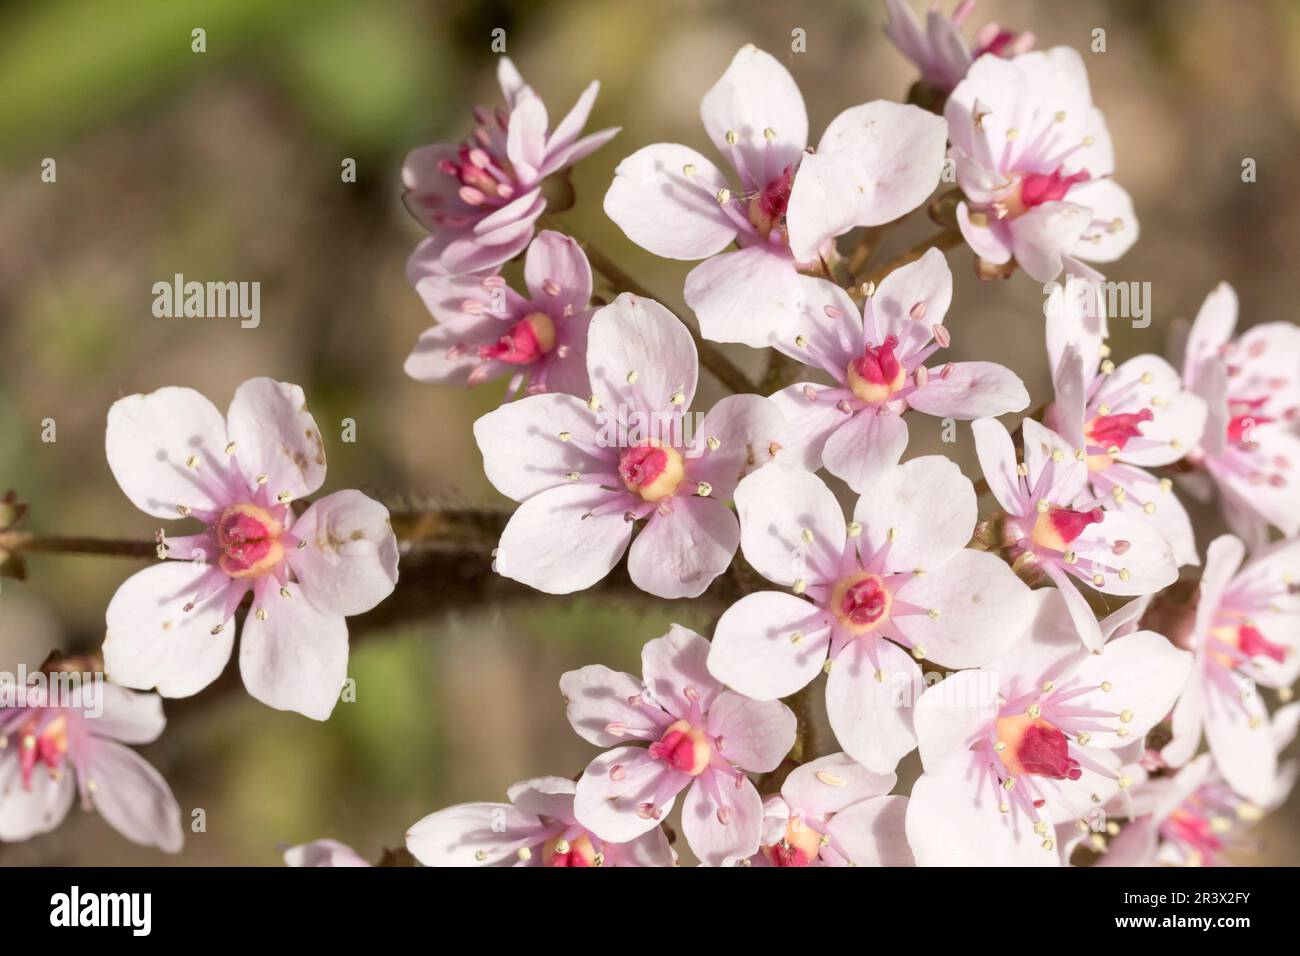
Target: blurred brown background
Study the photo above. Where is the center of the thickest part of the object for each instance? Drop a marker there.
(226, 165)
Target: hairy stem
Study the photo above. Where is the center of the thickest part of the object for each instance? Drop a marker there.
(711, 357)
(15, 541)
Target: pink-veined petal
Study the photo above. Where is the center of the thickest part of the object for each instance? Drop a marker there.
(752, 296)
(296, 656)
(133, 797)
(152, 642)
(555, 543)
(349, 563)
(870, 710)
(769, 644)
(275, 436)
(776, 506)
(639, 356)
(151, 441)
(870, 443)
(756, 95)
(755, 734)
(681, 550)
(665, 199)
(722, 834)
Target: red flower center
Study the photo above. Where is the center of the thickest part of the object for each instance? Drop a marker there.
(250, 541)
(1114, 431)
(651, 471)
(684, 748)
(877, 374)
(1056, 528)
(767, 209)
(861, 602)
(570, 853)
(527, 341)
(1035, 746)
(1038, 188)
(48, 748)
(1254, 644)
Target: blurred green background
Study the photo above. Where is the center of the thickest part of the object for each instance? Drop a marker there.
(226, 165)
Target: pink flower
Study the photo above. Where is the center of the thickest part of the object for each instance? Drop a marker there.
(1194, 816)
(51, 754)
(536, 828)
(833, 812)
(1025, 743)
(1252, 387)
(1034, 159)
(875, 162)
(896, 586)
(877, 358)
(586, 472)
(324, 853)
(702, 739)
(486, 330)
(1056, 527)
(939, 50)
(1246, 632)
(1126, 418)
(171, 626)
(479, 199)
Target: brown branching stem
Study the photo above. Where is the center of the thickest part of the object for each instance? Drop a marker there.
(711, 356)
(943, 241)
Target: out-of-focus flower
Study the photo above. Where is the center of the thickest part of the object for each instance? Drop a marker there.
(486, 330)
(536, 828)
(875, 162)
(171, 626)
(1034, 159)
(939, 50)
(479, 199)
(877, 358)
(702, 739)
(1246, 632)
(586, 472)
(1025, 743)
(870, 599)
(1126, 417)
(1251, 385)
(1052, 526)
(52, 751)
(324, 853)
(833, 812)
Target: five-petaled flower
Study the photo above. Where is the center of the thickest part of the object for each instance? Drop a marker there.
(171, 626)
(875, 162)
(1034, 159)
(877, 357)
(487, 330)
(1054, 527)
(586, 472)
(51, 751)
(1251, 385)
(700, 735)
(1014, 748)
(536, 828)
(870, 598)
(480, 199)
(834, 812)
(1245, 634)
(1127, 418)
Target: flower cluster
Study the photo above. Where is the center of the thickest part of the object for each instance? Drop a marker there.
(968, 623)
